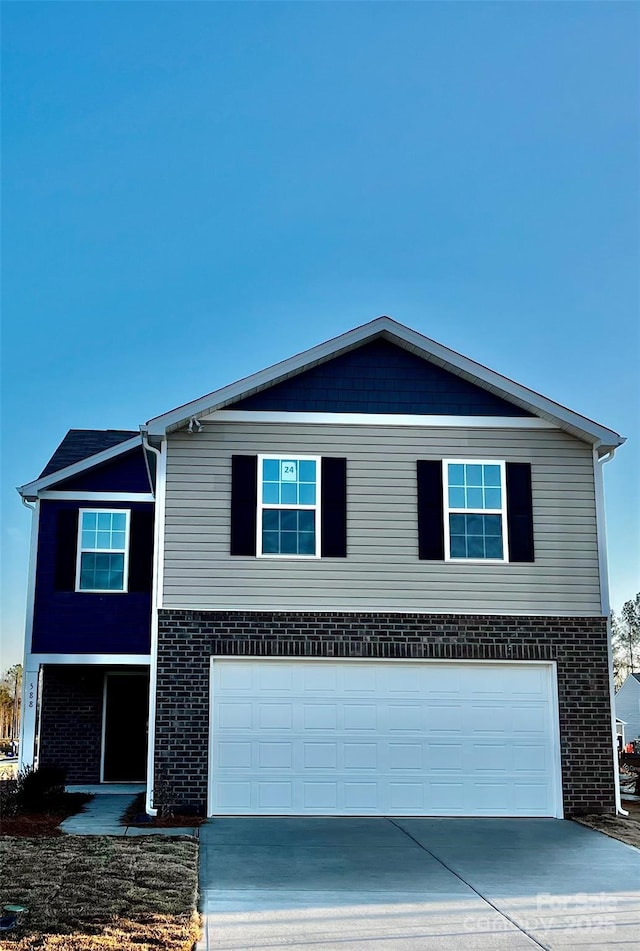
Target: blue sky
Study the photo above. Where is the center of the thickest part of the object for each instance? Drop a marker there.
(193, 191)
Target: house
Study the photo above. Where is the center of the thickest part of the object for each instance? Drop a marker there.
(379, 587)
(628, 706)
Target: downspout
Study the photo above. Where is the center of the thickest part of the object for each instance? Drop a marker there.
(153, 667)
(606, 610)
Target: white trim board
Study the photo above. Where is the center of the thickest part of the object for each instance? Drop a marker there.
(379, 419)
(234, 609)
(31, 489)
(82, 660)
(424, 347)
(106, 497)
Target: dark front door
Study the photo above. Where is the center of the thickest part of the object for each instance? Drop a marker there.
(126, 714)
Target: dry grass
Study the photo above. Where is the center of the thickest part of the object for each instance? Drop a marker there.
(98, 892)
(624, 828)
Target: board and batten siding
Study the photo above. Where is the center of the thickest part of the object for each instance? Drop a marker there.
(382, 571)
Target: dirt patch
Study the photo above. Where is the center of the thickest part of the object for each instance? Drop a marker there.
(624, 828)
(101, 892)
(46, 822)
(135, 816)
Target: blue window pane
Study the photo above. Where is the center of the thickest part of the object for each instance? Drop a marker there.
(104, 521)
(288, 521)
(492, 475)
(103, 540)
(456, 474)
(117, 539)
(492, 498)
(493, 525)
(307, 495)
(88, 539)
(89, 520)
(289, 543)
(475, 499)
(119, 522)
(306, 471)
(474, 524)
(307, 521)
(270, 493)
(307, 544)
(271, 470)
(270, 543)
(475, 546)
(270, 520)
(456, 498)
(458, 546)
(493, 547)
(457, 525)
(474, 475)
(289, 493)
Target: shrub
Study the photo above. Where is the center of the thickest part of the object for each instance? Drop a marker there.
(39, 788)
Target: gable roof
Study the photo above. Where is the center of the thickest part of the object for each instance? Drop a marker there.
(81, 449)
(605, 440)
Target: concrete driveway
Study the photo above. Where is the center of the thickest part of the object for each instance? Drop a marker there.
(416, 884)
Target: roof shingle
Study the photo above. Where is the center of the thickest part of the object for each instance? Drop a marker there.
(80, 444)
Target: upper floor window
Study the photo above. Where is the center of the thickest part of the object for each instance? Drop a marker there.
(103, 550)
(288, 506)
(475, 510)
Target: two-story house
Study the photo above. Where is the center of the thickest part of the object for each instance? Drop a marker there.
(379, 588)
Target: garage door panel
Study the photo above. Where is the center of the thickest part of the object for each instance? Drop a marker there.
(313, 739)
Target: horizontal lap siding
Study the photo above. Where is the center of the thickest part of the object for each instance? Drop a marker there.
(382, 570)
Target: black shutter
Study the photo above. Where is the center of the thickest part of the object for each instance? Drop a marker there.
(519, 511)
(141, 550)
(66, 550)
(334, 508)
(244, 498)
(430, 511)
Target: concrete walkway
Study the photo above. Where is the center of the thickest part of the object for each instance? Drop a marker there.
(416, 885)
(102, 815)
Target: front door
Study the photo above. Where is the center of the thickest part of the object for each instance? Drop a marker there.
(126, 715)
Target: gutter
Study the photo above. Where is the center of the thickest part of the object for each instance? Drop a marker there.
(606, 610)
(153, 665)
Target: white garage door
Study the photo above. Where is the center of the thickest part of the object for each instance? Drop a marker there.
(383, 738)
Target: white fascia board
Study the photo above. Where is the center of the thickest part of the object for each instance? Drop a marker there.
(114, 660)
(413, 341)
(31, 489)
(379, 419)
(97, 496)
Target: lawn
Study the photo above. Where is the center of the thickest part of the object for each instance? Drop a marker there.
(86, 893)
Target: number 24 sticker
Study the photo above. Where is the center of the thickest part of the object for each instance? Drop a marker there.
(288, 471)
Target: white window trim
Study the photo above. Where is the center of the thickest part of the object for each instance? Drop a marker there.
(261, 506)
(447, 510)
(125, 579)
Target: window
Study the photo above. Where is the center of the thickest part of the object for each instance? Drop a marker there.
(288, 506)
(103, 550)
(475, 510)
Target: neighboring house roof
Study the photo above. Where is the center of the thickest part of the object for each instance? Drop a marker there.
(636, 677)
(79, 444)
(605, 440)
(81, 449)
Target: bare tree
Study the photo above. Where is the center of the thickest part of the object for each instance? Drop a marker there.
(625, 631)
(10, 689)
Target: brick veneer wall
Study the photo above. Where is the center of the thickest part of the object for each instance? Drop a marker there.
(71, 721)
(187, 640)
